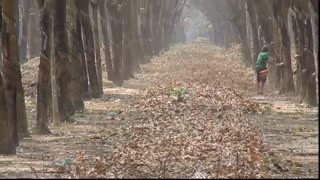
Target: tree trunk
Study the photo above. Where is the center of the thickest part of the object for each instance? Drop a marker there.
(75, 84)
(104, 25)
(95, 24)
(33, 30)
(88, 45)
(136, 51)
(81, 56)
(266, 29)
(245, 51)
(311, 97)
(255, 48)
(11, 68)
(62, 69)
(7, 143)
(287, 81)
(24, 31)
(117, 35)
(315, 32)
(127, 41)
(43, 87)
(147, 28)
(156, 25)
(298, 38)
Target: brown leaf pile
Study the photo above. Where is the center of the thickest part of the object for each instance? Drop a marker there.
(203, 64)
(200, 133)
(29, 72)
(206, 132)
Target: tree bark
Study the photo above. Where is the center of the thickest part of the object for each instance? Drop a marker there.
(11, 68)
(88, 45)
(33, 30)
(83, 64)
(75, 83)
(7, 144)
(62, 69)
(136, 51)
(127, 41)
(311, 97)
(315, 34)
(24, 31)
(255, 48)
(287, 80)
(43, 87)
(104, 25)
(94, 5)
(117, 35)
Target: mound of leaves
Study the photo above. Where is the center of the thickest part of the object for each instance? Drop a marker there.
(29, 72)
(182, 131)
(202, 63)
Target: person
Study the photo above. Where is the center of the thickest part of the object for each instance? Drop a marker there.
(261, 68)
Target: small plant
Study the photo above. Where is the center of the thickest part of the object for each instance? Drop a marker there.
(179, 92)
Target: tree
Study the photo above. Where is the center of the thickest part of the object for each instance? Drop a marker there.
(63, 66)
(95, 25)
(34, 34)
(25, 6)
(88, 45)
(255, 47)
(280, 9)
(128, 39)
(104, 26)
(81, 55)
(43, 86)
(116, 25)
(11, 78)
(74, 54)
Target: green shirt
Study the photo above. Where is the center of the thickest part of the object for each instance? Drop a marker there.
(262, 60)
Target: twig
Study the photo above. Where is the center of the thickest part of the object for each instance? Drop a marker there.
(237, 173)
(44, 174)
(34, 172)
(163, 174)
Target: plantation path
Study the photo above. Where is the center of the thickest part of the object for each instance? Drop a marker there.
(292, 132)
(130, 118)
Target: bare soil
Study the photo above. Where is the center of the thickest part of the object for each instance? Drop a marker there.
(292, 133)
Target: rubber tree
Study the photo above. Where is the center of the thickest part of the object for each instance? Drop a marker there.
(9, 79)
(128, 40)
(73, 42)
(105, 38)
(114, 7)
(95, 25)
(88, 45)
(62, 69)
(280, 9)
(43, 86)
(25, 7)
(305, 13)
(255, 44)
(81, 55)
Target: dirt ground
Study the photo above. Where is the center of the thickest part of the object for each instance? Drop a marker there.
(292, 133)
(289, 129)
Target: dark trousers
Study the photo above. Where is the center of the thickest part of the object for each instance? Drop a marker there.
(261, 77)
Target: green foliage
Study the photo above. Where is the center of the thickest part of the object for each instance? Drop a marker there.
(179, 92)
(66, 162)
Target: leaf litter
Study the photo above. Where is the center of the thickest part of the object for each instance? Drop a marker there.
(187, 121)
(190, 123)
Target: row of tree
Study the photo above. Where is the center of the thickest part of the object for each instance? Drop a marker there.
(269, 22)
(70, 69)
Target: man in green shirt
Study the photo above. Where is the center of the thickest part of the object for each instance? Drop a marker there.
(261, 69)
